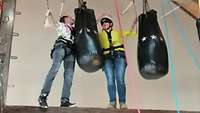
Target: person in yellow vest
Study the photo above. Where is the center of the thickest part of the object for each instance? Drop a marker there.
(114, 63)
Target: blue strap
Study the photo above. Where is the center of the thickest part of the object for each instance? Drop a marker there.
(172, 66)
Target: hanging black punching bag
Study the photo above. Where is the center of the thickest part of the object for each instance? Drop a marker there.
(198, 26)
(152, 50)
(88, 50)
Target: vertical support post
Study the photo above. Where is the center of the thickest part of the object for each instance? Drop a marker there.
(6, 33)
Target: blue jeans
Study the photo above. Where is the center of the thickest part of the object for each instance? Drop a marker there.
(115, 71)
(61, 54)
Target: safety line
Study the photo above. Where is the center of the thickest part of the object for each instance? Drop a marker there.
(172, 66)
(121, 33)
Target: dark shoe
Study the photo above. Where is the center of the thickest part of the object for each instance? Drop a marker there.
(43, 101)
(67, 104)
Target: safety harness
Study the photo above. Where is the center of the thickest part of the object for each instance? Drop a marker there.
(64, 43)
(112, 49)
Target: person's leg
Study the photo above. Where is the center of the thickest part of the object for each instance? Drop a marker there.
(58, 56)
(120, 67)
(69, 64)
(111, 87)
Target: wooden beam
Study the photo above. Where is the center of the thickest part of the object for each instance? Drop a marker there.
(195, 1)
(190, 8)
(32, 109)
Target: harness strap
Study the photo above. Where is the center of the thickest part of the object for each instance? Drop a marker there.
(113, 48)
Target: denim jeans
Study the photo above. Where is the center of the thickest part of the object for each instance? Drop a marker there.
(115, 73)
(61, 54)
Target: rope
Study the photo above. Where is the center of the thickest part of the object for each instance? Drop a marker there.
(61, 7)
(49, 14)
(80, 3)
(119, 22)
(136, 16)
(46, 21)
(47, 4)
(172, 66)
(121, 33)
(127, 7)
(171, 11)
(132, 3)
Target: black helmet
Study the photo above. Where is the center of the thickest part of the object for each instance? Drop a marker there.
(106, 19)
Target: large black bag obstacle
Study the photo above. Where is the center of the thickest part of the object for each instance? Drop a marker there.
(152, 50)
(198, 26)
(88, 49)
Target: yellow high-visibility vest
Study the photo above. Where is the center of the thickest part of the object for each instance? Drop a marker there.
(116, 39)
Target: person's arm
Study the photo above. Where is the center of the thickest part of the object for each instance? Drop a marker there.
(60, 29)
(131, 33)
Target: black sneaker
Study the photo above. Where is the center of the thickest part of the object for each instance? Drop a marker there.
(67, 104)
(43, 101)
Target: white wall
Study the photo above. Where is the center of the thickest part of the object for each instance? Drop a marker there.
(27, 73)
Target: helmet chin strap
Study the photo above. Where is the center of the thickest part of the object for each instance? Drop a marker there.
(110, 27)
